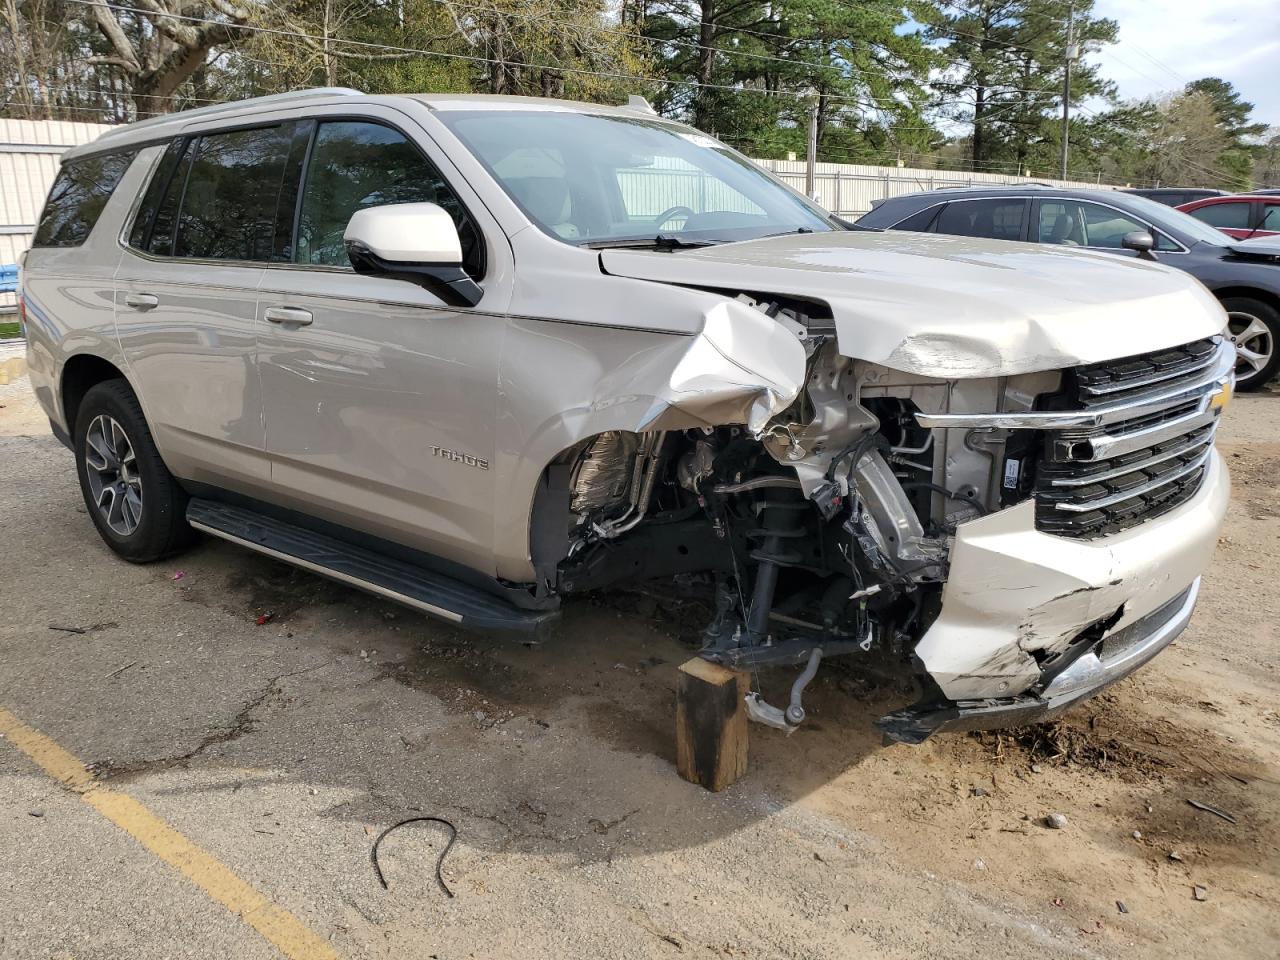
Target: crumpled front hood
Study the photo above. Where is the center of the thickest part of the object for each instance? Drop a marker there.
(955, 307)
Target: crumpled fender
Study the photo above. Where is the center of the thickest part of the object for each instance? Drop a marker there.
(743, 367)
(563, 382)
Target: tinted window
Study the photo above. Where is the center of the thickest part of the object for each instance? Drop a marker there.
(997, 219)
(1231, 215)
(355, 165)
(160, 241)
(77, 199)
(1272, 219)
(145, 219)
(917, 221)
(229, 206)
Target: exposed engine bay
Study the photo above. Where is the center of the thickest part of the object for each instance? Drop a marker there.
(827, 534)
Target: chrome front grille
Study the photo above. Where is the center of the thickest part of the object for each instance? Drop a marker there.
(1151, 451)
(1125, 441)
(1098, 382)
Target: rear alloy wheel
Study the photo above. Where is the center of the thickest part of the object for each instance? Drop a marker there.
(111, 470)
(1254, 327)
(132, 498)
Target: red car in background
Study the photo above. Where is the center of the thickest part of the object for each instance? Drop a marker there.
(1242, 216)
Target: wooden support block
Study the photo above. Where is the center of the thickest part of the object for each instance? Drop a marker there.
(711, 724)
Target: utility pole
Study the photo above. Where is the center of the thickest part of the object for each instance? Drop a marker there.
(1072, 52)
(811, 154)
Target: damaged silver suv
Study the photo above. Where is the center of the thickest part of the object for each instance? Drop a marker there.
(480, 354)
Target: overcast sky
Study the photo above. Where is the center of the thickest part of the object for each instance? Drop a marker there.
(1164, 44)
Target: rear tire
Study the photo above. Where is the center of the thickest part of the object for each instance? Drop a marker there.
(132, 498)
(1254, 327)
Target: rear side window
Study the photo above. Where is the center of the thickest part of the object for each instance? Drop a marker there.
(917, 221)
(1231, 215)
(144, 223)
(227, 209)
(997, 219)
(1271, 220)
(77, 199)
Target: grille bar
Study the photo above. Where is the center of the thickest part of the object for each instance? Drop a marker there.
(1131, 493)
(1102, 379)
(1119, 441)
(1150, 448)
(1199, 386)
(1192, 445)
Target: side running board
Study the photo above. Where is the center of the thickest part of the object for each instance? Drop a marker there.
(425, 590)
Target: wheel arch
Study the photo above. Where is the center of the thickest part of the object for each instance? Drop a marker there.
(80, 373)
(1254, 293)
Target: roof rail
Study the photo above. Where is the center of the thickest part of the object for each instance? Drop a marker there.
(219, 108)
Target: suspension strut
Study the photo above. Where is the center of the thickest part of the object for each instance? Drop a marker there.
(779, 528)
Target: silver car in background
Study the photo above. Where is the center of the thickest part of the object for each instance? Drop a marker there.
(481, 354)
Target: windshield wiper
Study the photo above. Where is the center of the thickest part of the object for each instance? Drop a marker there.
(663, 241)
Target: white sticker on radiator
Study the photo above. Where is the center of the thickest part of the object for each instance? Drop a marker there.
(1011, 470)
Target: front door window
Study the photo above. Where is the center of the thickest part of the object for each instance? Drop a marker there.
(355, 164)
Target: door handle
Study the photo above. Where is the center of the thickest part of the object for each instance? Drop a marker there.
(295, 315)
(142, 301)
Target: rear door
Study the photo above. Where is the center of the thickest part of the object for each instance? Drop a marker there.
(995, 218)
(380, 398)
(186, 292)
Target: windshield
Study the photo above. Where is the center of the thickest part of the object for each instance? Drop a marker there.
(595, 179)
(1175, 220)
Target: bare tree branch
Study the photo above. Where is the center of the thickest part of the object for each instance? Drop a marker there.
(110, 28)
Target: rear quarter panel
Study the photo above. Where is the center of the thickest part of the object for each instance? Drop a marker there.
(69, 293)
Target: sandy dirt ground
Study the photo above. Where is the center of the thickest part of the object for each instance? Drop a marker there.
(282, 749)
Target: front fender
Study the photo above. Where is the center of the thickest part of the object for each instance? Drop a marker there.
(563, 383)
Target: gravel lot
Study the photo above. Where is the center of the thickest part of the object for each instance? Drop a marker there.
(283, 749)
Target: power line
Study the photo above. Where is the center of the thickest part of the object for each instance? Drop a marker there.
(1125, 63)
(846, 67)
(797, 95)
(737, 89)
(395, 48)
(1159, 63)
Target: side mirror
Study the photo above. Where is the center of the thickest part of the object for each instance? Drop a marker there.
(1141, 241)
(417, 242)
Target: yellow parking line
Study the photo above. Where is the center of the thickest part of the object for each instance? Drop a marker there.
(289, 934)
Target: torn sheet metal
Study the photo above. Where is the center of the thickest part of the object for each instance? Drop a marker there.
(743, 367)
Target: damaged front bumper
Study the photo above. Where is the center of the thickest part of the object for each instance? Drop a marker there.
(1113, 658)
(1032, 623)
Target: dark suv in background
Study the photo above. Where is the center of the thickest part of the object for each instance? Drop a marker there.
(1244, 276)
